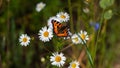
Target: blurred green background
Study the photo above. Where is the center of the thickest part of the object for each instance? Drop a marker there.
(19, 16)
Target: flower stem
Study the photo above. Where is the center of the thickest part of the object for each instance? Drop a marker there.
(71, 17)
(88, 52)
(98, 34)
(66, 47)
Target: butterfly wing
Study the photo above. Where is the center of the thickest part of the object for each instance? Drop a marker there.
(56, 25)
(59, 29)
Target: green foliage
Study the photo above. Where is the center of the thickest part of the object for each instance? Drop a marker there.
(106, 3)
(51, 8)
(19, 16)
(108, 14)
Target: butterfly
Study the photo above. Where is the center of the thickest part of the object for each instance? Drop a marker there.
(59, 29)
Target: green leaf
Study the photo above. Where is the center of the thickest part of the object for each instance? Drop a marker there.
(108, 14)
(106, 3)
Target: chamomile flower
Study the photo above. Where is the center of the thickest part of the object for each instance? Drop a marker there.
(75, 39)
(50, 21)
(86, 10)
(74, 64)
(57, 59)
(63, 16)
(40, 6)
(84, 36)
(45, 34)
(24, 40)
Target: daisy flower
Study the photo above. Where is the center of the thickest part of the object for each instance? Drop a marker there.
(45, 34)
(74, 64)
(40, 6)
(63, 16)
(57, 59)
(86, 10)
(84, 36)
(75, 39)
(50, 21)
(24, 40)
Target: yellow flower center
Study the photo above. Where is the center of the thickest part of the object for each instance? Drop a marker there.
(63, 16)
(82, 36)
(57, 58)
(73, 65)
(24, 39)
(46, 33)
(76, 39)
(87, 0)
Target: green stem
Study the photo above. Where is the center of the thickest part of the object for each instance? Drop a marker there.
(66, 47)
(71, 16)
(88, 52)
(98, 33)
(78, 19)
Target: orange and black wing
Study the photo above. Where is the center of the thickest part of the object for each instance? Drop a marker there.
(59, 29)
